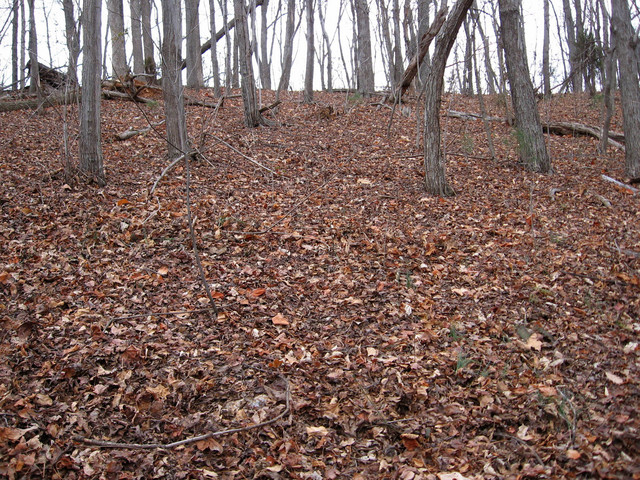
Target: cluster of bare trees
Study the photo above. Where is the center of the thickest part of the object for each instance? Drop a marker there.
(595, 36)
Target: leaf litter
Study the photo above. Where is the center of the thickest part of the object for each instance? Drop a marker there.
(488, 335)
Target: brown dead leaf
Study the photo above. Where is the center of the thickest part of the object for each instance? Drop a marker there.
(279, 319)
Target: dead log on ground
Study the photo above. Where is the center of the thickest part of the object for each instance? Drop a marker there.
(48, 101)
(130, 133)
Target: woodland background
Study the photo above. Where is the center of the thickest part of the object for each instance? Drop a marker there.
(236, 280)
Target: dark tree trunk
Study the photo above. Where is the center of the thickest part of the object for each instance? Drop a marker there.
(265, 60)
(252, 116)
(34, 72)
(136, 36)
(15, 78)
(533, 151)
(434, 161)
(118, 50)
(366, 79)
(214, 51)
(546, 69)
(625, 40)
(147, 39)
(90, 144)
(194, 57)
(172, 79)
(308, 76)
(287, 57)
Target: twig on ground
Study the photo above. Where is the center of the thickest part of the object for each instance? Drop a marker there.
(243, 155)
(153, 446)
(620, 184)
(521, 442)
(164, 172)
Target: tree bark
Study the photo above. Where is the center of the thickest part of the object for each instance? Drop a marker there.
(366, 79)
(625, 40)
(136, 36)
(434, 161)
(532, 149)
(214, 51)
(90, 144)
(570, 27)
(73, 41)
(116, 24)
(172, 80)
(34, 84)
(194, 57)
(546, 69)
(308, 76)
(15, 78)
(327, 44)
(265, 61)
(252, 116)
(287, 58)
(147, 39)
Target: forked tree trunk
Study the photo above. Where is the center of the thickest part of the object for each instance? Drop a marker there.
(90, 145)
(434, 161)
(625, 40)
(532, 149)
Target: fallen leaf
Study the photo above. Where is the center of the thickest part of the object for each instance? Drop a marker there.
(280, 320)
(614, 378)
(534, 342)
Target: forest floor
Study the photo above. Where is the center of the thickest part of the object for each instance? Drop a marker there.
(368, 329)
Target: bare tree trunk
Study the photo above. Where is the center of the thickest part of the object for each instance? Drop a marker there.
(194, 57)
(252, 116)
(308, 76)
(136, 36)
(546, 69)
(342, 57)
(15, 78)
(228, 56)
(574, 79)
(533, 151)
(23, 33)
(172, 89)
(434, 161)
(73, 41)
(397, 43)
(388, 60)
(608, 81)
(90, 144)
(625, 40)
(265, 61)
(366, 79)
(147, 40)
(214, 50)
(483, 110)
(118, 52)
(492, 81)
(287, 58)
(327, 44)
(34, 71)
(467, 86)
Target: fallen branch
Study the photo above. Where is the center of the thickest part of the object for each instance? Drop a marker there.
(186, 441)
(111, 94)
(48, 101)
(270, 107)
(627, 188)
(199, 103)
(126, 135)
(255, 162)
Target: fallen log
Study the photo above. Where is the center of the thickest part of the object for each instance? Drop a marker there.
(130, 133)
(48, 101)
(624, 186)
(557, 128)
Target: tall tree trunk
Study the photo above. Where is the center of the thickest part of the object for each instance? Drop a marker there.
(34, 71)
(172, 89)
(73, 41)
(147, 40)
(136, 36)
(492, 81)
(214, 50)
(388, 60)
(533, 151)
(570, 28)
(397, 43)
(15, 23)
(423, 26)
(252, 116)
(546, 69)
(116, 24)
(194, 57)
(90, 144)
(625, 40)
(23, 44)
(434, 161)
(265, 61)
(327, 43)
(467, 86)
(308, 75)
(287, 58)
(366, 79)
(229, 55)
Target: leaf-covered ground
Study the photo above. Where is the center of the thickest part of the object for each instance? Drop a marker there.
(493, 334)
